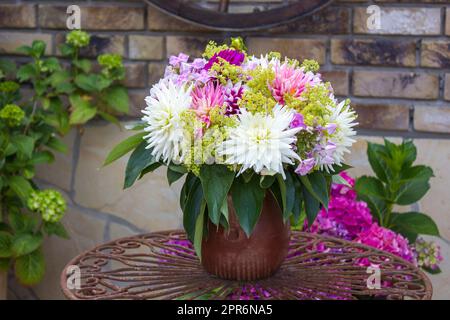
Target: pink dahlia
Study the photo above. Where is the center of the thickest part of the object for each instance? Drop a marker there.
(206, 97)
(234, 57)
(290, 80)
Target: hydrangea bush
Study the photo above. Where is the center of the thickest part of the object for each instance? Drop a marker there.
(245, 125)
(30, 132)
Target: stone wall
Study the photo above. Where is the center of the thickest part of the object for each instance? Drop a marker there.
(398, 78)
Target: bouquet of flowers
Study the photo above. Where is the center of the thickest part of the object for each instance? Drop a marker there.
(242, 125)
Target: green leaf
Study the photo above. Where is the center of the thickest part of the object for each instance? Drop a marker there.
(110, 118)
(247, 201)
(411, 192)
(266, 181)
(26, 72)
(316, 184)
(26, 243)
(21, 187)
(82, 112)
(38, 48)
(417, 173)
(140, 159)
(312, 206)
(42, 157)
(191, 206)
(4, 264)
(187, 186)
(24, 50)
(52, 64)
(56, 144)
(337, 179)
(199, 225)
(30, 269)
(415, 222)
(297, 209)
(287, 189)
(124, 147)
(83, 64)
(117, 98)
(437, 270)
(56, 229)
(216, 182)
(371, 190)
(24, 144)
(22, 222)
(92, 82)
(173, 176)
(376, 161)
(5, 244)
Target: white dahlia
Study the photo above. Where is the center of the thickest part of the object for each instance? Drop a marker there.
(261, 142)
(343, 117)
(165, 104)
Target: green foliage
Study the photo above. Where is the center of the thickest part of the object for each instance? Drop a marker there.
(397, 182)
(63, 95)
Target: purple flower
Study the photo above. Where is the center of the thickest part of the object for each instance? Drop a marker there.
(331, 128)
(176, 61)
(233, 93)
(305, 166)
(232, 56)
(297, 121)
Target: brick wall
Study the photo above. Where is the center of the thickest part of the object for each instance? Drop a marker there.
(398, 77)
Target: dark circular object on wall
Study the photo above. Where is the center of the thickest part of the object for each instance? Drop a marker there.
(237, 15)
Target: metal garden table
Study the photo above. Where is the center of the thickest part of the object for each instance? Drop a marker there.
(163, 265)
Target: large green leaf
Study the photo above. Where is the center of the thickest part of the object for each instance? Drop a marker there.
(371, 190)
(42, 157)
(287, 189)
(415, 222)
(187, 186)
(247, 201)
(312, 206)
(82, 111)
(297, 209)
(316, 184)
(411, 192)
(173, 176)
(117, 98)
(30, 269)
(124, 147)
(26, 72)
(5, 244)
(216, 182)
(21, 187)
(24, 144)
(191, 207)
(22, 222)
(57, 229)
(140, 159)
(199, 226)
(376, 161)
(92, 82)
(416, 173)
(57, 145)
(25, 243)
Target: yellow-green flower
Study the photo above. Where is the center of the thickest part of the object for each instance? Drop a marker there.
(110, 61)
(49, 203)
(12, 114)
(9, 86)
(78, 38)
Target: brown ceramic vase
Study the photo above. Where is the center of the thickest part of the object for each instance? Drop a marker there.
(230, 254)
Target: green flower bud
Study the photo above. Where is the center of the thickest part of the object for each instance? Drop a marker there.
(49, 203)
(238, 44)
(9, 86)
(110, 61)
(12, 115)
(78, 38)
(310, 65)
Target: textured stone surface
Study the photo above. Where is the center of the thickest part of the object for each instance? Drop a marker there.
(293, 48)
(395, 84)
(85, 232)
(338, 80)
(190, 45)
(100, 43)
(105, 17)
(137, 102)
(407, 21)
(435, 54)
(432, 119)
(136, 75)
(160, 21)
(17, 16)
(373, 52)
(150, 204)
(447, 87)
(59, 173)
(155, 72)
(331, 20)
(382, 117)
(146, 47)
(10, 41)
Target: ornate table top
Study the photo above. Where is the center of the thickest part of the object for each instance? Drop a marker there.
(163, 265)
